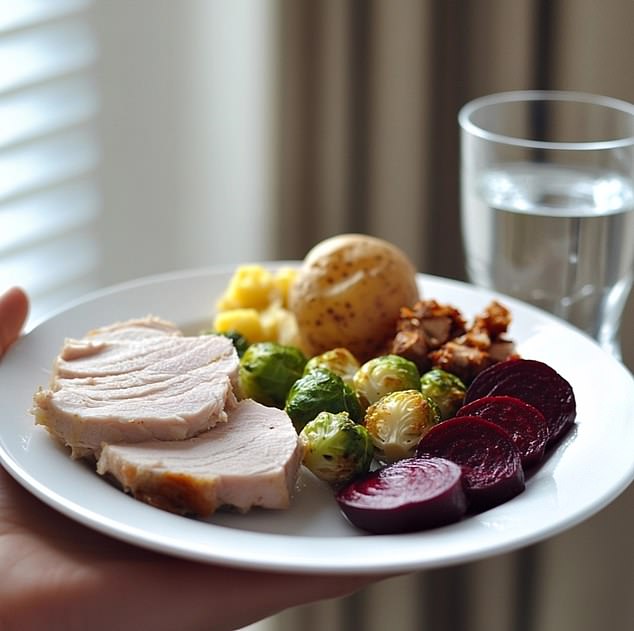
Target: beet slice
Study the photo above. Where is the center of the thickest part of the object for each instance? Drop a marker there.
(535, 383)
(491, 466)
(524, 423)
(408, 495)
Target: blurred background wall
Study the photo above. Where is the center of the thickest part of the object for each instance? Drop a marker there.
(144, 136)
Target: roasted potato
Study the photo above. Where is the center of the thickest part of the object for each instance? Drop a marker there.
(348, 293)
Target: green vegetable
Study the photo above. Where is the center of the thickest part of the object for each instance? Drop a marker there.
(382, 375)
(239, 341)
(268, 370)
(445, 389)
(338, 360)
(320, 391)
(397, 422)
(336, 449)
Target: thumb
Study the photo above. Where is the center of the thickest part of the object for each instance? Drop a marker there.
(14, 306)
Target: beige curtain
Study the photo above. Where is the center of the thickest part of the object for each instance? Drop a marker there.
(369, 93)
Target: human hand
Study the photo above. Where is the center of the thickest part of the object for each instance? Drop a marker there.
(57, 574)
(14, 306)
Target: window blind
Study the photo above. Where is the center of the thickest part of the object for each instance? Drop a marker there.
(49, 150)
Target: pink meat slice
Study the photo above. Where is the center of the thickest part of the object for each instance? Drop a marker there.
(135, 383)
(251, 460)
(137, 328)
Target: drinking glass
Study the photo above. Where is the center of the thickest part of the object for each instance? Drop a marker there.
(547, 203)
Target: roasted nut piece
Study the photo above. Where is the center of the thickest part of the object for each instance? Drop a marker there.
(481, 346)
(423, 328)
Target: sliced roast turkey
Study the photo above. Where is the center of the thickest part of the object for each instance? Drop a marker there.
(135, 381)
(251, 460)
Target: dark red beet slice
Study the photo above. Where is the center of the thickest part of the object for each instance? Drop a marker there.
(408, 495)
(524, 423)
(533, 382)
(491, 466)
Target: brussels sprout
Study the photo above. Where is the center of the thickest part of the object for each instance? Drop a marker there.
(384, 374)
(445, 389)
(320, 391)
(336, 449)
(397, 421)
(338, 360)
(268, 370)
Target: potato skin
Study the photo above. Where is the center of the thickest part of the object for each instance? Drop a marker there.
(348, 293)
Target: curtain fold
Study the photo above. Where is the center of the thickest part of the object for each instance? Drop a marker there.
(369, 96)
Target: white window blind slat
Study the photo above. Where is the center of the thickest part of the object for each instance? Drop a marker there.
(41, 53)
(47, 215)
(47, 162)
(43, 109)
(49, 150)
(16, 14)
(53, 264)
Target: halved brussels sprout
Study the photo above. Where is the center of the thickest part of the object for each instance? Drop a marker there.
(445, 389)
(338, 360)
(382, 375)
(397, 422)
(336, 449)
(268, 370)
(320, 391)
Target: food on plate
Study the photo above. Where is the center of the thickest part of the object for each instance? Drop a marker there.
(247, 322)
(424, 326)
(255, 304)
(384, 374)
(482, 345)
(432, 334)
(348, 293)
(135, 329)
(524, 423)
(491, 466)
(335, 448)
(409, 495)
(338, 360)
(339, 365)
(446, 390)
(134, 381)
(239, 341)
(397, 422)
(251, 460)
(318, 391)
(255, 287)
(534, 382)
(274, 324)
(268, 370)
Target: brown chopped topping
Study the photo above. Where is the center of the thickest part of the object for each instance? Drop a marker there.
(431, 334)
(424, 327)
(461, 359)
(413, 346)
(495, 320)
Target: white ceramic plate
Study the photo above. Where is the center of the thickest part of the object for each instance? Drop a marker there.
(589, 469)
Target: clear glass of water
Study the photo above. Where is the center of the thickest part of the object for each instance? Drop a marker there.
(547, 203)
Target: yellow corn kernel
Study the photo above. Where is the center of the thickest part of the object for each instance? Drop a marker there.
(245, 321)
(251, 286)
(279, 325)
(283, 280)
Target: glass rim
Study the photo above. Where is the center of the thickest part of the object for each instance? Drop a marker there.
(467, 110)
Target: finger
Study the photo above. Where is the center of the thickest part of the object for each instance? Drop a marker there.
(14, 307)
